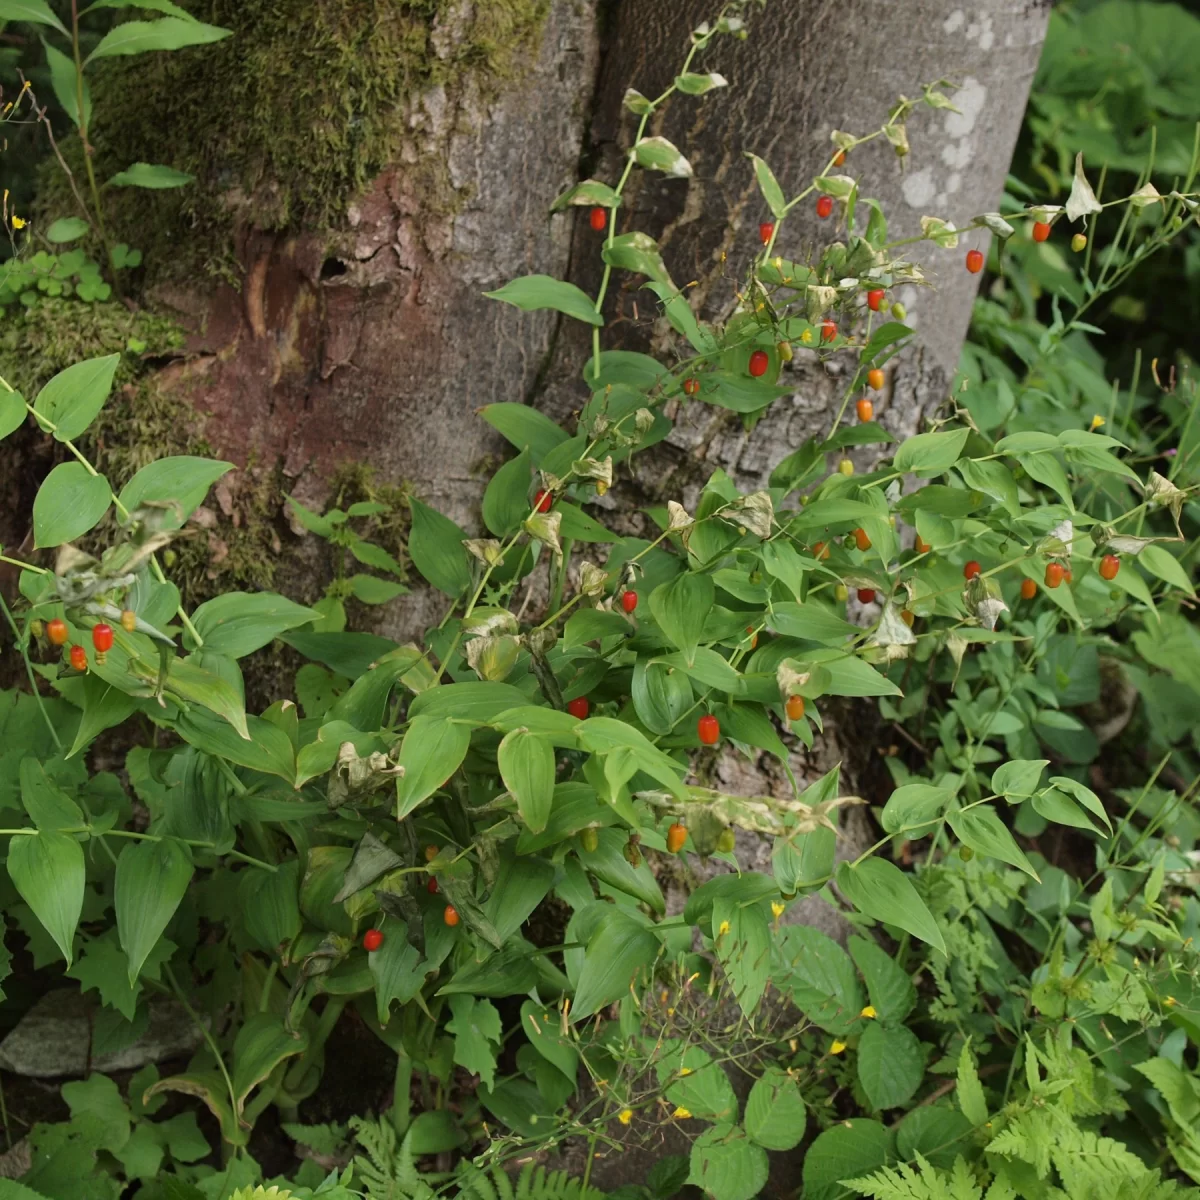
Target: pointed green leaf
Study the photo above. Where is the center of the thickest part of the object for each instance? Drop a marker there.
(151, 880)
(48, 870)
(881, 890)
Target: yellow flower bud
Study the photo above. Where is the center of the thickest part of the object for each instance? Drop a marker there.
(625, 1116)
(868, 1012)
(837, 1047)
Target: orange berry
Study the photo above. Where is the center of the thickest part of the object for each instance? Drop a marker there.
(56, 631)
(875, 379)
(921, 546)
(1110, 564)
(820, 551)
(1041, 231)
(450, 916)
(708, 729)
(1054, 574)
(865, 409)
(972, 570)
(753, 636)
(1028, 589)
(129, 620)
(795, 707)
(78, 657)
(861, 540)
(676, 837)
(691, 386)
(974, 261)
(907, 617)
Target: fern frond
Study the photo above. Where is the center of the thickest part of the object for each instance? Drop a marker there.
(533, 1183)
(926, 1183)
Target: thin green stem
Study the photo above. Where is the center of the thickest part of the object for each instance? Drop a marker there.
(23, 647)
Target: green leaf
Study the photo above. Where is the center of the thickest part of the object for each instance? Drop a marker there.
(506, 502)
(145, 175)
(432, 750)
(849, 1149)
(182, 478)
(810, 622)
(525, 427)
(881, 890)
(660, 695)
(887, 335)
(267, 748)
(169, 33)
(819, 978)
(211, 691)
(36, 11)
(775, 1113)
(48, 870)
(162, 6)
(70, 501)
(396, 968)
(151, 881)
(658, 154)
(262, 1045)
(103, 707)
(208, 1087)
(969, 1091)
(891, 989)
(982, 830)
(542, 1026)
(930, 452)
(742, 940)
(1161, 562)
(681, 608)
(705, 1090)
(915, 806)
(1084, 795)
(477, 1031)
(67, 229)
(72, 398)
(270, 905)
(769, 186)
(533, 292)
(1019, 777)
(435, 545)
(519, 888)
(370, 589)
(636, 252)
(891, 1064)
(12, 413)
(526, 764)
(579, 527)
(49, 807)
(620, 948)
(238, 623)
(480, 701)
(727, 1165)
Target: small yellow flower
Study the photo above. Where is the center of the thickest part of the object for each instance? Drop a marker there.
(1097, 421)
(681, 1114)
(625, 1116)
(777, 909)
(868, 1012)
(685, 1070)
(723, 929)
(1170, 1001)
(670, 1012)
(806, 337)
(837, 1047)
(18, 222)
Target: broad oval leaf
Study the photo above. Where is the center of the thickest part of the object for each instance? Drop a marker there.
(70, 501)
(48, 870)
(435, 545)
(891, 1064)
(619, 949)
(182, 478)
(432, 750)
(526, 763)
(775, 1114)
(151, 880)
(881, 890)
(982, 830)
(238, 623)
(930, 451)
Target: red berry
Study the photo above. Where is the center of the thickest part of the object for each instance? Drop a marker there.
(971, 570)
(820, 551)
(578, 707)
(866, 410)
(129, 620)
(866, 595)
(676, 836)
(450, 916)
(431, 887)
(765, 232)
(56, 631)
(974, 261)
(1041, 231)
(795, 707)
(875, 379)
(1110, 564)
(691, 386)
(824, 206)
(542, 501)
(921, 546)
(758, 363)
(372, 940)
(709, 729)
(861, 540)
(1054, 574)
(1028, 589)
(78, 658)
(629, 601)
(828, 331)
(875, 299)
(598, 218)
(102, 637)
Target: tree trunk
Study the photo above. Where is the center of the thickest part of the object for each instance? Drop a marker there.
(375, 344)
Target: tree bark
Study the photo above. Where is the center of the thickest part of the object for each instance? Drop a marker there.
(377, 345)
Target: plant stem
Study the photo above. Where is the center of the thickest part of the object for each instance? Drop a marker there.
(23, 646)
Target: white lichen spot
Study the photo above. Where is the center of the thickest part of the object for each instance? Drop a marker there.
(954, 21)
(957, 155)
(987, 38)
(969, 100)
(953, 183)
(919, 188)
